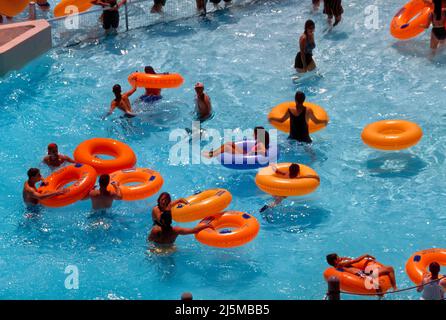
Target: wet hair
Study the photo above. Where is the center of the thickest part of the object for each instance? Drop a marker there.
(164, 194)
(117, 91)
(294, 170)
(437, 9)
(434, 268)
(52, 146)
(166, 221)
(149, 69)
(33, 172)
(104, 180)
(331, 259)
(308, 25)
(261, 131)
(299, 97)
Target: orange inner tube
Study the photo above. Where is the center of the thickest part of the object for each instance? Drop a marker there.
(156, 81)
(232, 229)
(277, 185)
(418, 264)
(280, 110)
(202, 205)
(67, 7)
(84, 178)
(353, 283)
(145, 183)
(124, 157)
(408, 21)
(11, 8)
(391, 134)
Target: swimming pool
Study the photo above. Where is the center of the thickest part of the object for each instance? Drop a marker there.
(388, 204)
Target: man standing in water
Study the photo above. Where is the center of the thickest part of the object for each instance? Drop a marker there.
(202, 103)
(103, 198)
(31, 196)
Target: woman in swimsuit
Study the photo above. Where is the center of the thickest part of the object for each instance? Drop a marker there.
(438, 20)
(261, 136)
(304, 59)
(165, 204)
(299, 117)
(122, 101)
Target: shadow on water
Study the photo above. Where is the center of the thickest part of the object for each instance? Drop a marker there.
(335, 35)
(217, 18)
(169, 29)
(412, 48)
(395, 165)
(295, 218)
(240, 179)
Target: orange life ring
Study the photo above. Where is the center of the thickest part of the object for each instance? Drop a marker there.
(277, 185)
(148, 182)
(84, 177)
(280, 110)
(391, 134)
(202, 205)
(408, 21)
(353, 283)
(124, 157)
(11, 8)
(418, 264)
(232, 229)
(66, 7)
(156, 81)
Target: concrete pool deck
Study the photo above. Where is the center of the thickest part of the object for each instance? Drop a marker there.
(22, 42)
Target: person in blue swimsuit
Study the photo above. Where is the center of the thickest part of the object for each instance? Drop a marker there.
(304, 59)
(151, 94)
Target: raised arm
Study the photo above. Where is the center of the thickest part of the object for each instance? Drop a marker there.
(67, 158)
(178, 201)
(117, 188)
(348, 263)
(278, 171)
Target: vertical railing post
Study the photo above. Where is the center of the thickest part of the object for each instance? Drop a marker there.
(32, 11)
(126, 17)
(334, 289)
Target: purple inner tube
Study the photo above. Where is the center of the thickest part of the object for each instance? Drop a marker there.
(247, 160)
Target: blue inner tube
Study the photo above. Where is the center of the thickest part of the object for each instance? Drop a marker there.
(247, 161)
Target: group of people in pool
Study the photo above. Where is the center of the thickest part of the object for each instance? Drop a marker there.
(101, 198)
(203, 105)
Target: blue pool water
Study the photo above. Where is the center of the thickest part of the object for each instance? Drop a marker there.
(388, 204)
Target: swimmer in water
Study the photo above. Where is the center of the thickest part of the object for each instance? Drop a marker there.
(303, 61)
(203, 106)
(164, 235)
(102, 199)
(165, 204)
(54, 159)
(122, 101)
(293, 173)
(31, 196)
(299, 117)
(261, 146)
(151, 94)
(438, 20)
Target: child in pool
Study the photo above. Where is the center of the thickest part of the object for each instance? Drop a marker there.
(54, 159)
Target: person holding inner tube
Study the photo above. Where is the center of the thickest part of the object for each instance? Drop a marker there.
(303, 61)
(122, 101)
(163, 234)
(438, 21)
(299, 117)
(102, 199)
(165, 204)
(151, 94)
(432, 287)
(54, 159)
(31, 196)
(345, 264)
(261, 136)
(293, 173)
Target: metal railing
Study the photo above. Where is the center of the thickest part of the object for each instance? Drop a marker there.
(135, 14)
